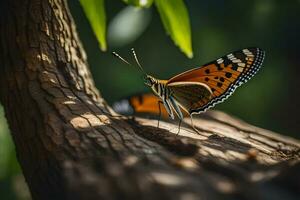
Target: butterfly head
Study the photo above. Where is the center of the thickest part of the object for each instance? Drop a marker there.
(149, 80)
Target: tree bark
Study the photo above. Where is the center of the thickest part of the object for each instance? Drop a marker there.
(71, 144)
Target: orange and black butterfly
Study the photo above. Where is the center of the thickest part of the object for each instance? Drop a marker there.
(199, 89)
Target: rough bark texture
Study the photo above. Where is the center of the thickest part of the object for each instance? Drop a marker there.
(71, 145)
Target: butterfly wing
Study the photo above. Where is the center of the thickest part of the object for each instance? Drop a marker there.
(190, 95)
(142, 103)
(223, 75)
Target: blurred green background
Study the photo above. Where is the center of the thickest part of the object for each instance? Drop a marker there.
(270, 100)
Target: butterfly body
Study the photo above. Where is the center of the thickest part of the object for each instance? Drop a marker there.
(171, 94)
(158, 86)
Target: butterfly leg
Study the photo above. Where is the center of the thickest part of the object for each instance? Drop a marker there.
(179, 125)
(192, 123)
(159, 108)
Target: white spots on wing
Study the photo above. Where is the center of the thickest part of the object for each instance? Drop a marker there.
(236, 60)
(248, 53)
(233, 58)
(220, 60)
(241, 64)
(230, 56)
(240, 69)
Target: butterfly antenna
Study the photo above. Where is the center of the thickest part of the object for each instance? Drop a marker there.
(118, 56)
(136, 59)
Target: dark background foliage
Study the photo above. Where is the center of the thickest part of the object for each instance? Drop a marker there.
(270, 100)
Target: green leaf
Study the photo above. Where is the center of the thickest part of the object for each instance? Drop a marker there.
(139, 3)
(175, 18)
(95, 12)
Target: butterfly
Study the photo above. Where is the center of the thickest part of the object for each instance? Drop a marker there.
(199, 89)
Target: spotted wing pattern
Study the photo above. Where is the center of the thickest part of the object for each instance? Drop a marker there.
(224, 75)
